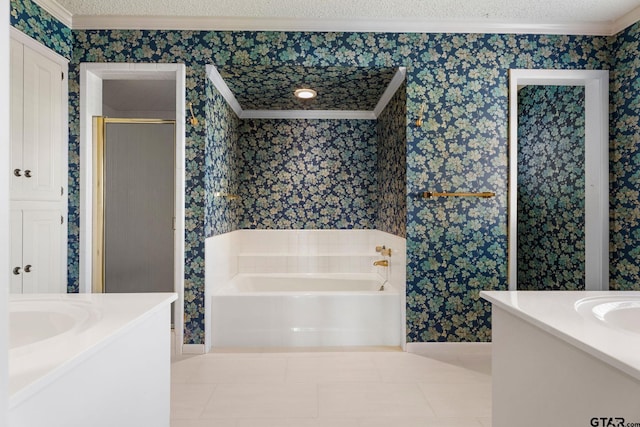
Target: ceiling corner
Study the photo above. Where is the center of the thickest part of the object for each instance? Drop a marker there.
(57, 11)
(625, 21)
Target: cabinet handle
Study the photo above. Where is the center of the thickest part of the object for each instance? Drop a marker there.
(27, 268)
(16, 172)
(27, 173)
(16, 271)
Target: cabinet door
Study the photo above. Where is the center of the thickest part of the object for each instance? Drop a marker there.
(42, 129)
(16, 113)
(42, 251)
(15, 256)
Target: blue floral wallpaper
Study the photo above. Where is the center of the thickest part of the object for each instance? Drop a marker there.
(625, 161)
(269, 87)
(455, 247)
(551, 188)
(308, 174)
(305, 174)
(222, 168)
(458, 246)
(391, 169)
(37, 23)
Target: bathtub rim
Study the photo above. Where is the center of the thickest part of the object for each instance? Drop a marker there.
(230, 288)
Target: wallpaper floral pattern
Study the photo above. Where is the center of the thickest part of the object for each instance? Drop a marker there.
(339, 88)
(625, 162)
(305, 174)
(551, 188)
(391, 170)
(37, 23)
(455, 247)
(222, 156)
(308, 174)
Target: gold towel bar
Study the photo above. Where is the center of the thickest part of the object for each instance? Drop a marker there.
(227, 195)
(430, 194)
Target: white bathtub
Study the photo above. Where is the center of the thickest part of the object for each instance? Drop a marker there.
(306, 310)
(79, 360)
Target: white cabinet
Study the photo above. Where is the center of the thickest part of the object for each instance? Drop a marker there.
(38, 168)
(37, 256)
(36, 125)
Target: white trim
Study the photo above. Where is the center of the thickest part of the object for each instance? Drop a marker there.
(91, 77)
(596, 83)
(221, 85)
(625, 21)
(43, 50)
(4, 207)
(308, 114)
(57, 11)
(193, 349)
(394, 84)
(205, 23)
(448, 347)
(101, 22)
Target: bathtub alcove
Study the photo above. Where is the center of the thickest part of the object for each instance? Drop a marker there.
(299, 195)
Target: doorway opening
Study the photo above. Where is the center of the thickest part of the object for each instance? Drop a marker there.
(593, 184)
(101, 83)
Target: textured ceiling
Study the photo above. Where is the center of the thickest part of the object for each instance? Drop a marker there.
(338, 88)
(543, 11)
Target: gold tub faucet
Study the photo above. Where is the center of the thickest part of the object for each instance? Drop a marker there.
(381, 263)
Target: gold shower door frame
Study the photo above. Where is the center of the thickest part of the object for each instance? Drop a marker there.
(98, 227)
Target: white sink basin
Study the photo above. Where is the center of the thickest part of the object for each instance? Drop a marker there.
(615, 312)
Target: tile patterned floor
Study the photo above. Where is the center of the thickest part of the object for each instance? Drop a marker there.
(359, 388)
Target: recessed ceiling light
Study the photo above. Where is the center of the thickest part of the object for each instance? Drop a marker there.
(305, 93)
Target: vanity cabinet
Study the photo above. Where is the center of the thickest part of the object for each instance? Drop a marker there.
(38, 168)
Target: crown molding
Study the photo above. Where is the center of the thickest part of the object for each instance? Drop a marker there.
(625, 21)
(203, 23)
(85, 22)
(393, 86)
(57, 11)
(223, 88)
(308, 114)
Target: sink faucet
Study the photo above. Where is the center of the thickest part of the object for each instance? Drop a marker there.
(381, 263)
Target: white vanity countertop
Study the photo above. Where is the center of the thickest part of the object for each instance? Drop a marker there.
(101, 319)
(555, 312)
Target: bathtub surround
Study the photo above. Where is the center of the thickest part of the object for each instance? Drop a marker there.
(308, 253)
(551, 188)
(455, 247)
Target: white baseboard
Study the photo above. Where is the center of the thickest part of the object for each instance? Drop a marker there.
(193, 349)
(448, 347)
